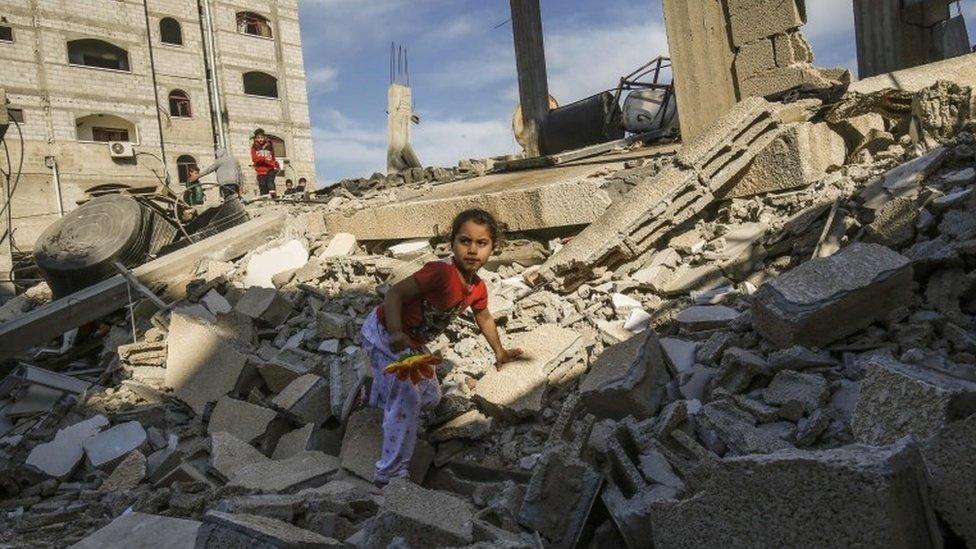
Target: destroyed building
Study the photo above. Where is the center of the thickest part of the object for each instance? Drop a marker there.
(760, 336)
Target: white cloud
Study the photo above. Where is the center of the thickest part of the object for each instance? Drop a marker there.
(322, 79)
(445, 142)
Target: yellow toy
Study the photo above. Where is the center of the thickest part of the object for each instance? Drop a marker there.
(414, 367)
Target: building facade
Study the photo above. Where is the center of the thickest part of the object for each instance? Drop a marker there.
(173, 78)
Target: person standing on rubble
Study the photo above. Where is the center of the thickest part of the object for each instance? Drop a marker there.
(416, 311)
(265, 164)
(230, 177)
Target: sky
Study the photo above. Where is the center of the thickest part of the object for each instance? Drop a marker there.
(462, 68)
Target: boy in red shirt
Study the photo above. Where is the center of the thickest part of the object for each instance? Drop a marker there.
(414, 312)
(265, 164)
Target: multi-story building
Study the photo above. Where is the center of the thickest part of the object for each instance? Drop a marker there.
(173, 78)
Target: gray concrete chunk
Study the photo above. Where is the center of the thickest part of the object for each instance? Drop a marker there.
(899, 399)
(106, 449)
(242, 419)
(471, 425)
(61, 456)
(242, 531)
(856, 496)
(949, 457)
(306, 399)
(202, 363)
(559, 498)
(304, 470)
(422, 518)
(295, 442)
(627, 379)
(264, 304)
(706, 317)
(826, 299)
(810, 391)
(142, 531)
(737, 429)
(228, 454)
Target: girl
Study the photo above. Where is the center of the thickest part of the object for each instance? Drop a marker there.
(414, 312)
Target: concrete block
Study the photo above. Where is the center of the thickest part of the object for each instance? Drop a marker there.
(810, 391)
(801, 155)
(628, 379)
(755, 57)
(281, 370)
(295, 442)
(229, 454)
(264, 304)
(306, 399)
(790, 48)
(900, 399)
(894, 224)
(679, 353)
(948, 457)
(517, 390)
(127, 475)
(262, 266)
(559, 498)
(59, 457)
(242, 531)
(215, 303)
(422, 518)
(410, 250)
(706, 317)
(798, 76)
(363, 443)
(141, 531)
(242, 419)
(185, 472)
(202, 364)
(739, 368)
(905, 180)
(106, 449)
(799, 358)
(855, 496)
(342, 244)
(334, 325)
(751, 20)
(737, 429)
(826, 299)
(287, 476)
(471, 425)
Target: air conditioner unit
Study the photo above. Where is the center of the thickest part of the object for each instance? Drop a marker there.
(121, 149)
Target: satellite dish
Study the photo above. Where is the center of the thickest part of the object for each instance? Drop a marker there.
(518, 128)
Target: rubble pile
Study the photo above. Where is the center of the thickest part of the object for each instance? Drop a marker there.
(768, 340)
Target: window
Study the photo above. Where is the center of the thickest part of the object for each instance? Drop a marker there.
(183, 165)
(95, 53)
(179, 104)
(17, 115)
(104, 127)
(259, 83)
(278, 146)
(6, 33)
(253, 24)
(170, 32)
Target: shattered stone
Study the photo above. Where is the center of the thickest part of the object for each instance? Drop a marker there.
(106, 449)
(332, 325)
(846, 497)
(228, 454)
(471, 425)
(809, 390)
(737, 429)
(894, 224)
(59, 457)
(706, 317)
(238, 531)
(826, 299)
(135, 530)
(303, 470)
(261, 267)
(264, 304)
(898, 399)
(799, 358)
(655, 468)
(809, 429)
(739, 367)
(948, 457)
(242, 419)
(559, 498)
(628, 378)
(420, 517)
(295, 442)
(342, 244)
(711, 351)
(215, 303)
(306, 399)
(679, 353)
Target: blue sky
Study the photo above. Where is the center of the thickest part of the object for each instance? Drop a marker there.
(462, 69)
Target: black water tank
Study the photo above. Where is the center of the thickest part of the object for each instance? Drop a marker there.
(582, 124)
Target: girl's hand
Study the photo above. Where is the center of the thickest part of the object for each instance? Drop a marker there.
(399, 342)
(507, 355)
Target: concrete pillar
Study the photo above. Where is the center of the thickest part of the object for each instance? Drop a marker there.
(399, 153)
(530, 60)
(701, 57)
(898, 34)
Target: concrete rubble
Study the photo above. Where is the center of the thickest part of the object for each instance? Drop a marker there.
(763, 337)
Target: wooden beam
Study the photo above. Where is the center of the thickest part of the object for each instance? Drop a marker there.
(57, 317)
(530, 60)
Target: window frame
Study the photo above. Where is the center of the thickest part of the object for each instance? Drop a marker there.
(182, 166)
(120, 131)
(275, 140)
(5, 25)
(179, 28)
(276, 96)
(185, 98)
(16, 114)
(241, 20)
(128, 59)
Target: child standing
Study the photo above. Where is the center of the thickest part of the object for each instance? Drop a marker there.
(414, 312)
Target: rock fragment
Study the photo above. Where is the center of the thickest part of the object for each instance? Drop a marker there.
(628, 378)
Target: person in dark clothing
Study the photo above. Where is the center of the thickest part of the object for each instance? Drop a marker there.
(302, 183)
(289, 187)
(194, 191)
(265, 164)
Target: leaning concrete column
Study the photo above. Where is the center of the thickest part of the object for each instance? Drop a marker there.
(530, 60)
(399, 153)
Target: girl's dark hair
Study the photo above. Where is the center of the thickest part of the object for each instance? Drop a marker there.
(479, 216)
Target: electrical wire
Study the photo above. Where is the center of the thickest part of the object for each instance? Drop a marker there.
(12, 188)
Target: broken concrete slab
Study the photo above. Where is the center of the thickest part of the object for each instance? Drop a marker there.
(127, 475)
(106, 449)
(826, 299)
(518, 388)
(229, 454)
(286, 476)
(237, 531)
(363, 443)
(627, 379)
(905, 180)
(134, 530)
(306, 399)
(215, 303)
(295, 442)
(948, 457)
(59, 457)
(751, 20)
(264, 304)
(281, 371)
(240, 418)
(899, 399)
(420, 517)
(262, 266)
(706, 317)
(737, 429)
(846, 497)
(202, 364)
(679, 353)
(559, 498)
(799, 358)
(471, 425)
(811, 391)
(894, 224)
(739, 368)
(342, 244)
(334, 325)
